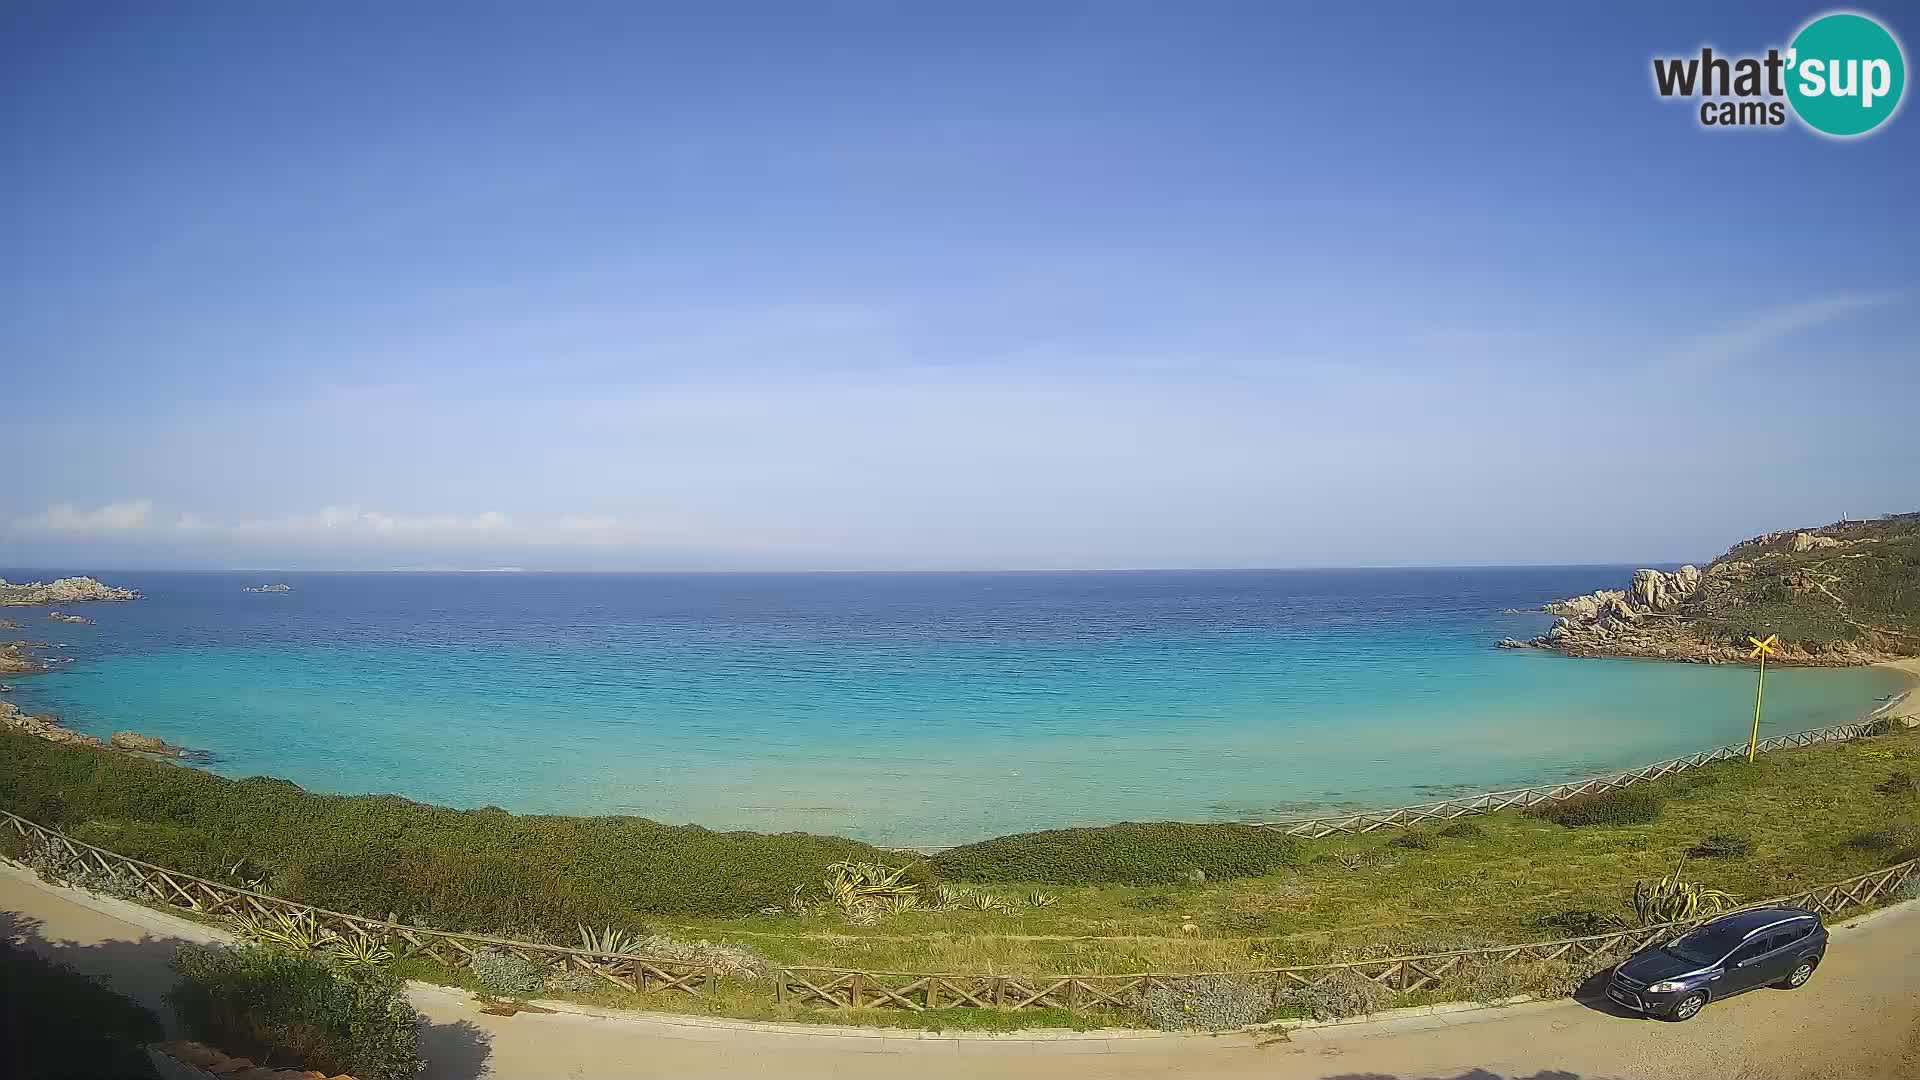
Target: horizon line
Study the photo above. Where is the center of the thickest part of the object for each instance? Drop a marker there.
(1650, 564)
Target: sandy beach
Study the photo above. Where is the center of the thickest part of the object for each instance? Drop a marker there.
(1906, 706)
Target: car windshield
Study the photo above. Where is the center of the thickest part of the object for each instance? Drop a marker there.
(1707, 945)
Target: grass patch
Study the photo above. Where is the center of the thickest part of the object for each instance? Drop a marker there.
(1464, 829)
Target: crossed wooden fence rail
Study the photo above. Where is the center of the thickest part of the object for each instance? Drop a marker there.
(916, 991)
(1489, 802)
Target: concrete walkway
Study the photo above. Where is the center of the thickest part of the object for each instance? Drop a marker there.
(1858, 1018)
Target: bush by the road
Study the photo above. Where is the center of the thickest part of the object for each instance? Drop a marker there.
(289, 1011)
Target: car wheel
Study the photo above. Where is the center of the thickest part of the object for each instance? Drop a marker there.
(1687, 1007)
(1798, 978)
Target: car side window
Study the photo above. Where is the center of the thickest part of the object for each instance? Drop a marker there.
(1790, 934)
(1755, 947)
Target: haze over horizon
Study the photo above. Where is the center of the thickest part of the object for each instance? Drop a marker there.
(996, 288)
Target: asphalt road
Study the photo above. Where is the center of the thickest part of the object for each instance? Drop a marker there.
(1858, 1018)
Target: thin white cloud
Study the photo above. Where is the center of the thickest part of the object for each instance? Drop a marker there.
(357, 521)
(353, 526)
(117, 517)
(587, 523)
(1730, 343)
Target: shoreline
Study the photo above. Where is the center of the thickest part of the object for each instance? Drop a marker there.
(1901, 706)
(1905, 706)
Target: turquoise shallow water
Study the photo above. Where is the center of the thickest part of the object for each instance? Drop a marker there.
(902, 708)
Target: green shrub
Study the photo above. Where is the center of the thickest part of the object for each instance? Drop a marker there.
(1464, 829)
(1205, 1003)
(504, 973)
(1622, 806)
(291, 1011)
(457, 870)
(60, 1023)
(1341, 994)
(1722, 846)
(1412, 839)
(1127, 854)
(1900, 783)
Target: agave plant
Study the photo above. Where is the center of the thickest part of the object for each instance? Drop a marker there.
(1672, 899)
(948, 897)
(988, 902)
(360, 951)
(851, 885)
(609, 939)
(1042, 900)
(298, 932)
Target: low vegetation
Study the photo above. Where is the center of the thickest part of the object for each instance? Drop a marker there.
(1722, 846)
(1206, 1003)
(482, 870)
(285, 1010)
(1124, 854)
(1129, 898)
(1674, 899)
(1622, 806)
(1862, 590)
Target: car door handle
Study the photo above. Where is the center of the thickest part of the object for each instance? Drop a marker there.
(1713, 978)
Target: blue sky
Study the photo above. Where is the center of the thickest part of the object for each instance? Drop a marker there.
(917, 286)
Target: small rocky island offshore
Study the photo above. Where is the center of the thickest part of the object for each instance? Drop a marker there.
(279, 588)
(1840, 595)
(70, 590)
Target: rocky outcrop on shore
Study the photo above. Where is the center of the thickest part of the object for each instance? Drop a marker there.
(281, 587)
(146, 744)
(77, 620)
(71, 590)
(49, 728)
(40, 727)
(1843, 595)
(16, 658)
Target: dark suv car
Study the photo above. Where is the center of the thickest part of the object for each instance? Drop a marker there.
(1773, 946)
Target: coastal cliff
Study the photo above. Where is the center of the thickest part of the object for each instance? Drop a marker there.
(1840, 595)
(70, 590)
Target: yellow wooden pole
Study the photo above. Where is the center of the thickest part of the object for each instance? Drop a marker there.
(1753, 744)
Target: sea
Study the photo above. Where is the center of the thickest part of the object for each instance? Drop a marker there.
(909, 709)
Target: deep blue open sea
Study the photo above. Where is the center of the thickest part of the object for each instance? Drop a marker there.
(910, 709)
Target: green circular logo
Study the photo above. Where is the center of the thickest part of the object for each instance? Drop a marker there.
(1845, 74)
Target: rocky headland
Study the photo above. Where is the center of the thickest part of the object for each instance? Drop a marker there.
(71, 590)
(1840, 595)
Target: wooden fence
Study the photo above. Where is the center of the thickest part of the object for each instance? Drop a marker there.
(914, 991)
(1489, 802)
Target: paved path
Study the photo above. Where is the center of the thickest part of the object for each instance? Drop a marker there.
(1859, 1018)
